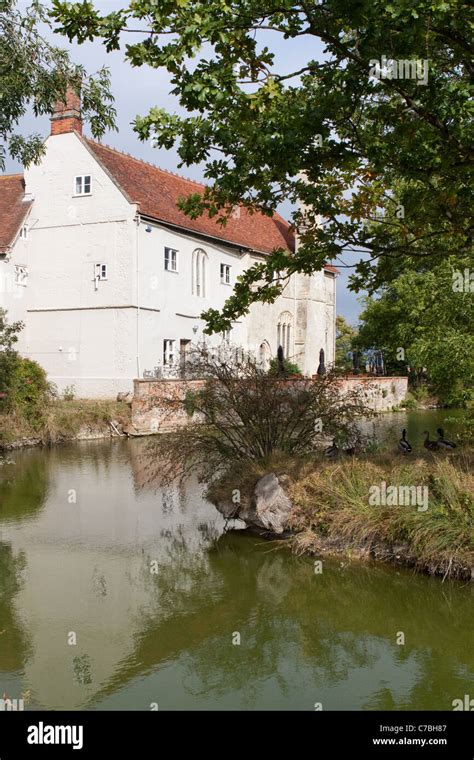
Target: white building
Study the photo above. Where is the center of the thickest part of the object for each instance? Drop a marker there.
(110, 277)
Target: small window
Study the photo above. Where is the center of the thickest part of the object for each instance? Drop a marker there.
(21, 275)
(225, 274)
(24, 232)
(168, 352)
(171, 260)
(101, 271)
(82, 185)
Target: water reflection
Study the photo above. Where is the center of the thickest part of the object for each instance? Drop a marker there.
(13, 638)
(23, 487)
(152, 589)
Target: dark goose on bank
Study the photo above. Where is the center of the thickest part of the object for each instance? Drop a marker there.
(403, 444)
(442, 442)
(332, 451)
(430, 445)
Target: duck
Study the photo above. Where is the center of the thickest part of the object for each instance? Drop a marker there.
(403, 444)
(430, 445)
(331, 451)
(442, 442)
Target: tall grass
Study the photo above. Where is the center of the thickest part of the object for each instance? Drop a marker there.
(64, 420)
(332, 513)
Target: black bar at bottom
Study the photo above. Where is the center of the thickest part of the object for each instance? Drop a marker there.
(132, 734)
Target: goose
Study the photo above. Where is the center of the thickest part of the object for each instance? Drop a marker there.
(442, 442)
(403, 444)
(430, 445)
(331, 451)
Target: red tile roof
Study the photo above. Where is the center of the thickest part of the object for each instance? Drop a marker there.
(13, 208)
(157, 193)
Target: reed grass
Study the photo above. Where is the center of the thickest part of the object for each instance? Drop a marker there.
(332, 513)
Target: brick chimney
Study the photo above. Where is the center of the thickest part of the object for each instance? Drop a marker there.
(67, 116)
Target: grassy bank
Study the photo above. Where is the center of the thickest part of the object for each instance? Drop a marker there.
(332, 513)
(64, 420)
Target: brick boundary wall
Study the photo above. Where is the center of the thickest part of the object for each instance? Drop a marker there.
(157, 404)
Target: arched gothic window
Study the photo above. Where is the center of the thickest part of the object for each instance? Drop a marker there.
(284, 332)
(199, 272)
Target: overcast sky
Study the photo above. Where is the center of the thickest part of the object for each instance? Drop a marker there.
(136, 90)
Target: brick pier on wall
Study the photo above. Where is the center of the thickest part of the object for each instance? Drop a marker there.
(157, 404)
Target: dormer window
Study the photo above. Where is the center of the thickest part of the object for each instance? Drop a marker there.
(24, 232)
(82, 184)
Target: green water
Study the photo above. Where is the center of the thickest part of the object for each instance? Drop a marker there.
(388, 427)
(82, 529)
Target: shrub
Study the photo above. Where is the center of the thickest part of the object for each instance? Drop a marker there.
(457, 395)
(8, 362)
(409, 402)
(189, 403)
(24, 388)
(69, 393)
(420, 392)
(29, 389)
(241, 413)
(465, 433)
(289, 368)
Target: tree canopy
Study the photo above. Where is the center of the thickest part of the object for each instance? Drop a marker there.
(34, 73)
(373, 138)
(345, 337)
(423, 321)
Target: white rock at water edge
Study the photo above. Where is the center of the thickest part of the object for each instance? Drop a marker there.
(272, 505)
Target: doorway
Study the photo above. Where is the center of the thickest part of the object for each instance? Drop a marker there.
(184, 345)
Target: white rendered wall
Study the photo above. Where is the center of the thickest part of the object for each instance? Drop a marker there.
(92, 351)
(168, 307)
(13, 296)
(81, 332)
(319, 327)
(263, 321)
